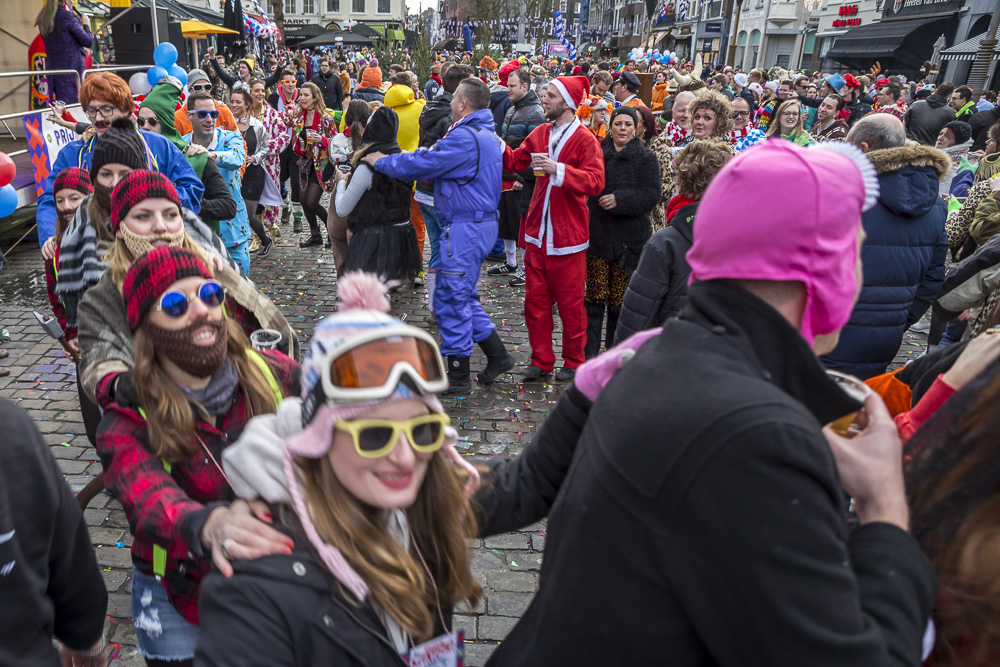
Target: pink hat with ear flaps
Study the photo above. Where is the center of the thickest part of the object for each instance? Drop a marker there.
(809, 236)
(363, 307)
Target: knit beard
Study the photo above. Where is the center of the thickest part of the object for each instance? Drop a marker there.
(102, 194)
(140, 245)
(178, 346)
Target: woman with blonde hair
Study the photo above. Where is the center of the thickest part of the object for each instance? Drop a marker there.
(195, 385)
(312, 130)
(788, 124)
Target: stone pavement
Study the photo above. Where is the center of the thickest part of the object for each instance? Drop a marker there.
(492, 421)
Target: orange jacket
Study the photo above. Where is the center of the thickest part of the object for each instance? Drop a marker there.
(659, 94)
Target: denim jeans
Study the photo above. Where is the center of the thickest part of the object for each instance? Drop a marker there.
(433, 231)
(160, 631)
(953, 333)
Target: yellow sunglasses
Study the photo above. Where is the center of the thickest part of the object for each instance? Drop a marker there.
(374, 438)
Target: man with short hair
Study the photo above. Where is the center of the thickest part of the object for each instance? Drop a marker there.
(678, 130)
(829, 125)
(888, 101)
(719, 84)
(601, 83)
(905, 251)
(198, 82)
(105, 97)
(522, 118)
(961, 101)
(557, 229)
(745, 134)
(981, 124)
(925, 118)
(466, 167)
(229, 153)
(626, 90)
(329, 84)
(987, 100)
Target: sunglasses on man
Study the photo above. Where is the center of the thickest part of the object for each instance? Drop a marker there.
(203, 114)
(201, 87)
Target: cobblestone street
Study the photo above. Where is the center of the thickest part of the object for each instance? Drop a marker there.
(494, 421)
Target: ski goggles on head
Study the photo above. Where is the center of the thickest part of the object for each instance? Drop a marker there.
(375, 438)
(369, 366)
(175, 303)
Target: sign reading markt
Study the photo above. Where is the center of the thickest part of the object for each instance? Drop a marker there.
(894, 8)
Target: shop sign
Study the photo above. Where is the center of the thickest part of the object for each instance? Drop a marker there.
(895, 8)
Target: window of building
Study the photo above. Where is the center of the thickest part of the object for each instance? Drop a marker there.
(333, 6)
(741, 48)
(308, 6)
(754, 47)
(712, 10)
(782, 60)
(290, 7)
(384, 6)
(358, 6)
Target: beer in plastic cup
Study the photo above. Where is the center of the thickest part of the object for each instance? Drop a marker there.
(537, 170)
(265, 339)
(854, 388)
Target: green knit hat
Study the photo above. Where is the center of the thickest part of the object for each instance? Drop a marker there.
(162, 100)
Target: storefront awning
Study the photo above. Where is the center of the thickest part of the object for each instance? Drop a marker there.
(909, 43)
(655, 38)
(967, 50)
(199, 29)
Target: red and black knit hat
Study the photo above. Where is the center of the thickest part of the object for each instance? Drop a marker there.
(150, 276)
(138, 186)
(73, 178)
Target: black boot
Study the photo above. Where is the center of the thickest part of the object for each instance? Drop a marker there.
(612, 327)
(498, 359)
(315, 236)
(595, 320)
(459, 381)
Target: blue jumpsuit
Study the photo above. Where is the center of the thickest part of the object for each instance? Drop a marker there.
(465, 165)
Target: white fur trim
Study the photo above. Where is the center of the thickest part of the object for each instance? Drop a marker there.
(565, 93)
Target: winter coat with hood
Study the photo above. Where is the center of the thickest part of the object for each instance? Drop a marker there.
(902, 257)
(435, 119)
(499, 104)
(400, 99)
(981, 124)
(632, 175)
(658, 289)
(858, 108)
(924, 119)
(289, 609)
(333, 91)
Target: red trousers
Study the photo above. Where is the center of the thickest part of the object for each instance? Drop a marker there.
(419, 225)
(558, 279)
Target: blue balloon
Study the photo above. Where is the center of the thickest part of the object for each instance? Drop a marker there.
(178, 72)
(165, 55)
(154, 74)
(8, 200)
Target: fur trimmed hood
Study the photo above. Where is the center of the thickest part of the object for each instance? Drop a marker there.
(911, 155)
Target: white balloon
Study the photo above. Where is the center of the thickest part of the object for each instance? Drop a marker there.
(138, 83)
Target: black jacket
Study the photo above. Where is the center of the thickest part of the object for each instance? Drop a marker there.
(632, 175)
(981, 124)
(434, 122)
(287, 610)
(924, 119)
(368, 95)
(521, 118)
(703, 508)
(217, 202)
(333, 91)
(658, 288)
(50, 582)
(858, 109)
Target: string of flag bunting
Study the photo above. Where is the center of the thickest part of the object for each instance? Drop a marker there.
(560, 35)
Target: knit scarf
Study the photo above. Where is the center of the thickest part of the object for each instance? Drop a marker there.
(436, 78)
(80, 265)
(217, 396)
(676, 203)
(739, 134)
(800, 138)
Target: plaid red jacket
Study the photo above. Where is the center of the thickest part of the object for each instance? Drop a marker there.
(170, 509)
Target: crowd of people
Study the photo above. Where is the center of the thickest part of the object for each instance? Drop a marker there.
(732, 464)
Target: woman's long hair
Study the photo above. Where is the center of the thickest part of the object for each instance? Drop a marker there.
(46, 20)
(170, 417)
(775, 128)
(440, 520)
(355, 118)
(953, 483)
(319, 104)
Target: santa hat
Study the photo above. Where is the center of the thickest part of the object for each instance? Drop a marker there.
(506, 69)
(572, 88)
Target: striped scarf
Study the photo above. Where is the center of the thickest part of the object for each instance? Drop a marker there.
(80, 264)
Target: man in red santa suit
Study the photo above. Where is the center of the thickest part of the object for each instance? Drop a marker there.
(557, 229)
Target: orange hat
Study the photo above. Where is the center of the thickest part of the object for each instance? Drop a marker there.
(372, 77)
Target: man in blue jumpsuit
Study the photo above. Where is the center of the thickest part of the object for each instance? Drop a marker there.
(465, 165)
(106, 96)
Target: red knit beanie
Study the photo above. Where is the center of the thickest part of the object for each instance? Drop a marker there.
(150, 276)
(73, 178)
(138, 186)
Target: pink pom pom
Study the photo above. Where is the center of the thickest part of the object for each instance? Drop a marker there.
(363, 291)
